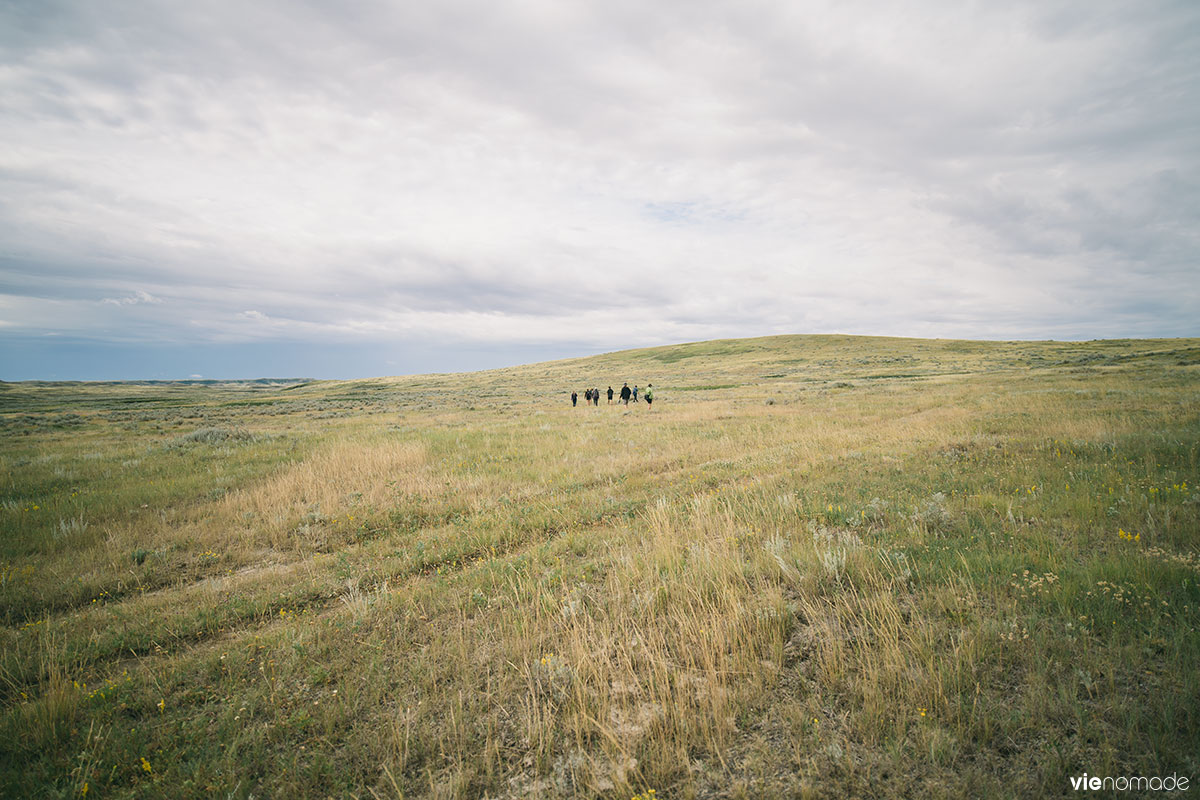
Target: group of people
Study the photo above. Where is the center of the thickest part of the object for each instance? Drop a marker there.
(626, 394)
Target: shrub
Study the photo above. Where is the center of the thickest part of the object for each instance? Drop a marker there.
(215, 436)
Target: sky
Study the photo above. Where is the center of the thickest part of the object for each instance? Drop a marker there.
(362, 188)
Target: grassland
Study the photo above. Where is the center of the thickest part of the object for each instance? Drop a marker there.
(818, 567)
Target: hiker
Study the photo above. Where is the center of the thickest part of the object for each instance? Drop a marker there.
(574, 399)
(635, 393)
(587, 397)
(649, 394)
(625, 394)
(596, 397)
(610, 394)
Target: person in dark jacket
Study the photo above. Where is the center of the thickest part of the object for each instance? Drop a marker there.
(625, 394)
(635, 393)
(610, 394)
(574, 399)
(595, 397)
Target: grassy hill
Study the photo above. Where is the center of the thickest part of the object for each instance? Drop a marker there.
(819, 566)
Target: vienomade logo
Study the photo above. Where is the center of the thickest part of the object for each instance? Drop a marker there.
(1171, 783)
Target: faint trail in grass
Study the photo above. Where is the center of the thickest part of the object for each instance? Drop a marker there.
(233, 611)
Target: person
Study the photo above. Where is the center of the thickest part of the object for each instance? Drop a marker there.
(649, 394)
(574, 398)
(596, 397)
(625, 394)
(635, 393)
(587, 397)
(610, 394)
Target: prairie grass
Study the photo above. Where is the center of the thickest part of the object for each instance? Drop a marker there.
(818, 567)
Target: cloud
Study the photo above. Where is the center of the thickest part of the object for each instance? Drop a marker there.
(533, 172)
(134, 299)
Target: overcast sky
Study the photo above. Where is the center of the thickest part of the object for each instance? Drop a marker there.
(346, 189)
